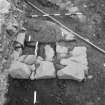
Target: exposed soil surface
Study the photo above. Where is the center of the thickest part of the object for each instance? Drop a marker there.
(68, 92)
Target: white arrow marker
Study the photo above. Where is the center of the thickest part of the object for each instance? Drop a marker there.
(35, 97)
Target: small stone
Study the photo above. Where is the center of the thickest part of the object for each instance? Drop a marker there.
(61, 49)
(73, 71)
(46, 70)
(19, 70)
(73, 10)
(21, 38)
(49, 52)
(68, 36)
(28, 59)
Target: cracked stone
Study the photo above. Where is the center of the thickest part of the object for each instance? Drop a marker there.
(19, 70)
(72, 71)
(76, 66)
(45, 70)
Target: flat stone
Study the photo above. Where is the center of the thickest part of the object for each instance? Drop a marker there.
(49, 52)
(73, 71)
(46, 70)
(28, 59)
(19, 70)
(79, 51)
(68, 36)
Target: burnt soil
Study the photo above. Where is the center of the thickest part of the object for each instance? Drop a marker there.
(65, 92)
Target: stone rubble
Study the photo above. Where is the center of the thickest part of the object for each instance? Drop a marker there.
(74, 64)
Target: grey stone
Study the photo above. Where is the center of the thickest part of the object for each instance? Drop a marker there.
(49, 52)
(21, 38)
(28, 59)
(68, 36)
(61, 49)
(76, 65)
(46, 70)
(72, 71)
(19, 70)
(79, 51)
